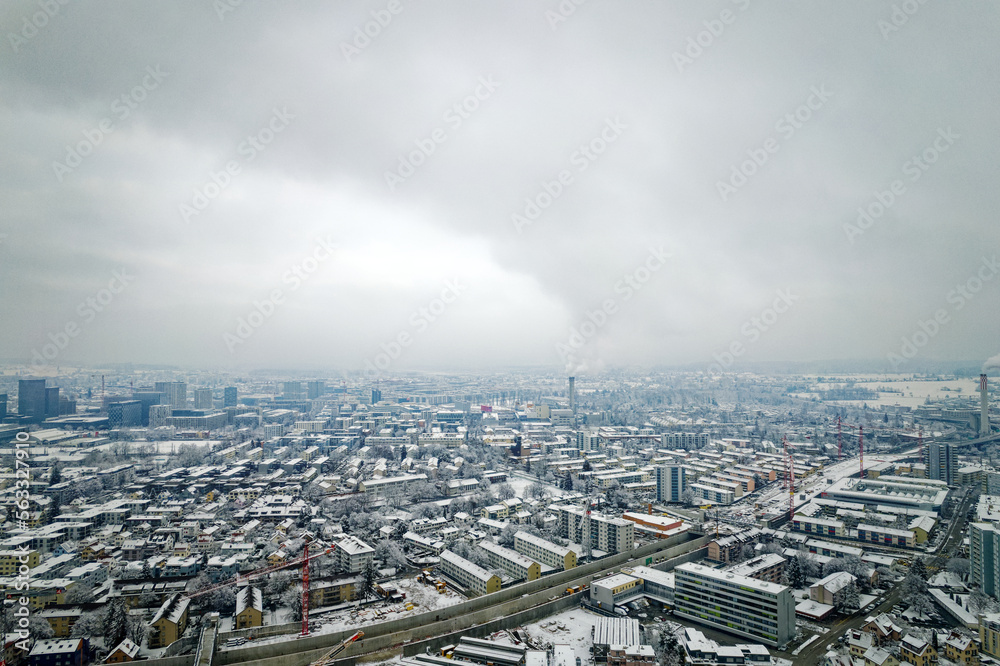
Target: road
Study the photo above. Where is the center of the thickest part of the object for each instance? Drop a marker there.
(814, 653)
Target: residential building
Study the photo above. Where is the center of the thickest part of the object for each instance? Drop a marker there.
(468, 575)
(735, 604)
(249, 608)
(544, 552)
(831, 589)
(352, 554)
(169, 622)
(671, 483)
(58, 652)
(916, 651)
(941, 459)
(514, 564)
(609, 534)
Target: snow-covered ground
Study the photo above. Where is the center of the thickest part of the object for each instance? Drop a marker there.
(426, 598)
(571, 627)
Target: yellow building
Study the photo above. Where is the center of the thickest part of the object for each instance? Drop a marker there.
(249, 608)
(169, 622)
(11, 560)
(917, 651)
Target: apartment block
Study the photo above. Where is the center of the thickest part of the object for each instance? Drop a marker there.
(545, 552)
(467, 574)
(513, 563)
(735, 604)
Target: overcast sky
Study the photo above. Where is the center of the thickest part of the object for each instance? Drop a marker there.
(716, 153)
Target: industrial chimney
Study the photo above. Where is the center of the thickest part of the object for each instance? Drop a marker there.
(572, 394)
(984, 406)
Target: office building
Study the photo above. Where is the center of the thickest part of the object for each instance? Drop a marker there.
(315, 389)
(203, 398)
(670, 483)
(52, 402)
(3, 406)
(291, 390)
(31, 400)
(229, 397)
(125, 414)
(147, 399)
(942, 461)
(158, 415)
(734, 604)
(175, 393)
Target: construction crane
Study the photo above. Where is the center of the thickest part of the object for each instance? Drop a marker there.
(337, 649)
(304, 561)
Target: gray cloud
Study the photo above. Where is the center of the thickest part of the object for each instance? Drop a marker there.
(656, 184)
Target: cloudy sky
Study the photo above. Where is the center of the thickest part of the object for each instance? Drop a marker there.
(471, 184)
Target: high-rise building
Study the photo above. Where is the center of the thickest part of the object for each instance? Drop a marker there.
(671, 482)
(607, 533)
(124, 414)
(376, 396)
(51, 402)
(229, 397)
(158, 415)
(31, 400)
(734, 604)
(3, 406)
(175, 393)
(148, 399)
(291, 390)
(315, 389)
(942, 461)
(203, 398)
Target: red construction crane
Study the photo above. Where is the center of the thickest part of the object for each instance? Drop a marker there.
(304, 561)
